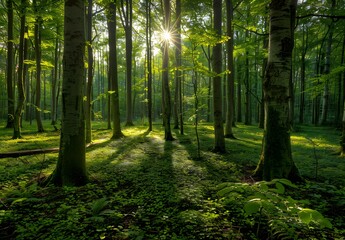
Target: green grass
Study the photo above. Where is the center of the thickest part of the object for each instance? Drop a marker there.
(145, 188)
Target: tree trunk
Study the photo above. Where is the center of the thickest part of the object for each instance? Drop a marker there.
(127, 19)
(38, 54)
(9, 69)
(71, 169)
(178, 52)
(276, 158)
(20, 85)
(55, 81)
(112, 72)
(149, 62)
(219, 144)
(327, 70)
(303, 67)
(88, 103)
(165, 76)
(230, 76)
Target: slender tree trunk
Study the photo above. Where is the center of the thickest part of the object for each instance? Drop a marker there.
(20, 85)
(230, 76)
(247, 84)
(341, 79)
(9, 69)
(219, 144)
(71, 168)
(55, 80)
(112, 74)
(149, 61)
(177, 108)
(38, 54)
(276, 158)
(303, 67)
(239, 97)
(327, 70)
(127, 19)
(165, 77)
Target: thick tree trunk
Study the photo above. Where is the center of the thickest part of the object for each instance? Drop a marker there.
(219, 144)
(276, 158)
(20, 81)
(71, 168)
(88, 103)
(231, 75)
(9, 69)
(112, 72)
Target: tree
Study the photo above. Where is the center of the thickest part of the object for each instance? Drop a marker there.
(149, 61)
(20, 82)
(127, 21)
(9, 69)
(230, 67)
(112, 72)
(276, 158)
(38, 54)
(88, 103)
(165, 75)
(178, 117)
(219, 144)
(70, 169)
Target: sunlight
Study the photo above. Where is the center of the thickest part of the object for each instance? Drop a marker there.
(166, 36)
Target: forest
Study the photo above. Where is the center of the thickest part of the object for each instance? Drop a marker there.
(181, 119)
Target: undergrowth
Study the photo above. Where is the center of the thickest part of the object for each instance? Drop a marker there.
(145, 188)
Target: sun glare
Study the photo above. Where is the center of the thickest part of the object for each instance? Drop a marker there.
(166, 36)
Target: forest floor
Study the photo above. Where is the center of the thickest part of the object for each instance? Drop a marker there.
(142, 187)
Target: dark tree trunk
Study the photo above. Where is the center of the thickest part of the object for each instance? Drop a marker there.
(165, 77)
(219, 144)
(112, 72)
(230, 76)
(9, 69)
(38, 54)
(71, 168)
(20, 81)
(276, 158)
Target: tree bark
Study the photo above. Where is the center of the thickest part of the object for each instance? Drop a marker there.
(20, 82)
(165, 76)
(112, 72)
(276, 158)
(149, 62)
(231, 74)
(38, 54)
(71, 168)
(9, 69)
(327, 70)
(219, 144)
(88, 103)
(127, 19)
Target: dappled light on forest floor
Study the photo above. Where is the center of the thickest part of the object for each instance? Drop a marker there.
(144, 187)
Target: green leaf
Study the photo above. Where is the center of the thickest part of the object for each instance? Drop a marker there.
(253, 206)
(308, 215)
(280, 188)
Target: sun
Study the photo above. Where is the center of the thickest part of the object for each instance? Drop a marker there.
(166, 36)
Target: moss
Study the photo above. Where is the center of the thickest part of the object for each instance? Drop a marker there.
(276, 158)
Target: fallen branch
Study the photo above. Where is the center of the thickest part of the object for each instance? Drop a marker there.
(28, 152)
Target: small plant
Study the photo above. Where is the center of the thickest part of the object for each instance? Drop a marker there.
(266, 205)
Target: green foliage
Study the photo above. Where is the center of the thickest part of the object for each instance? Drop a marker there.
(266, 204)
(144, 188)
